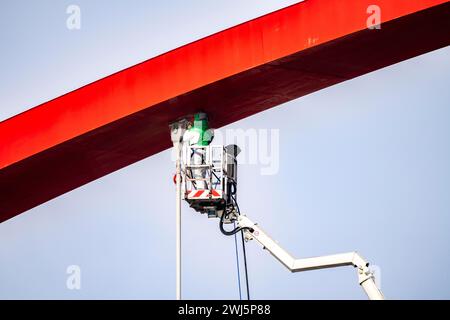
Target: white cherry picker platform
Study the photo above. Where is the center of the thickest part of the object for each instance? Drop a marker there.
(206, 178)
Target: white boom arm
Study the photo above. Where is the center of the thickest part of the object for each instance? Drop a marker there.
(365, 276)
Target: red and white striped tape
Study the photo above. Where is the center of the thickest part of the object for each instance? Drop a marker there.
(204, 194)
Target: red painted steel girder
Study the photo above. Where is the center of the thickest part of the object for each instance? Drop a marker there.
(123, 118)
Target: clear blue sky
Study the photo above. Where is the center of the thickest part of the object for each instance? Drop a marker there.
(364, 165)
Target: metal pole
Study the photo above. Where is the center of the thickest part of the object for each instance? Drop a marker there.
(178, 225)
(177, 130)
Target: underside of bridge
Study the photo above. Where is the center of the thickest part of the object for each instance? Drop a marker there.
(123, 118)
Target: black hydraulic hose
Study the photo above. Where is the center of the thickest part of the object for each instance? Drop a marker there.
(232, 232)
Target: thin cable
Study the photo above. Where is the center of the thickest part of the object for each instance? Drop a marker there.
(237, 265)
(233, 232)
(245, 265)
(243, 247)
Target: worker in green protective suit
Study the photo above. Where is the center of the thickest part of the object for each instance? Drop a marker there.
(199, 135)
